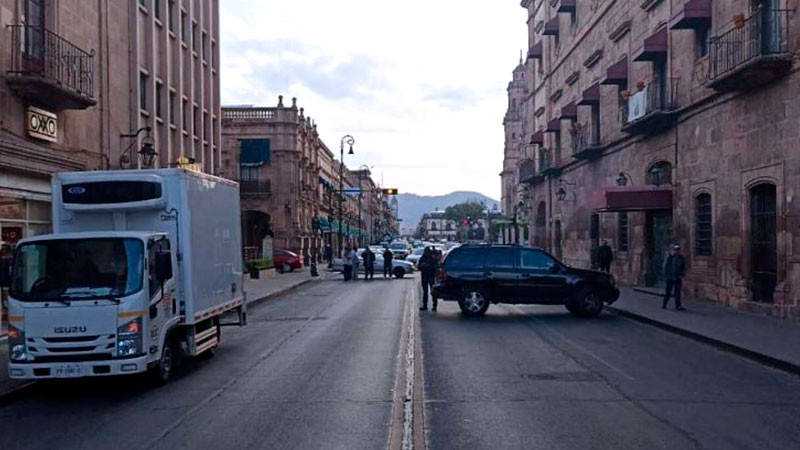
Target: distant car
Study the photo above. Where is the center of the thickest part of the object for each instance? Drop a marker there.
(286, 261)
(415, 255)
(399, 268)
(476, 276)
(399, 249)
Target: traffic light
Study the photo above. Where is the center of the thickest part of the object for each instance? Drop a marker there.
(389, 191)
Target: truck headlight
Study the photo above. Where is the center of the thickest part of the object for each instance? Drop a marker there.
(129, 338)
(18, 351)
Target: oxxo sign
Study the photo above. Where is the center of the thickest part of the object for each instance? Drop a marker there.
(42, 124)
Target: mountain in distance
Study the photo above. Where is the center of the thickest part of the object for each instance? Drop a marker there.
(412, 206)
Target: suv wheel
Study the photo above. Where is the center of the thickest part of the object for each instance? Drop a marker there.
(588, 303)
(473, 303)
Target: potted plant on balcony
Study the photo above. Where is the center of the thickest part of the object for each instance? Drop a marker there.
(738, 20)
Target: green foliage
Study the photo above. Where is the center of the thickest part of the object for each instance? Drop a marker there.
(257, 264)
(471, 211)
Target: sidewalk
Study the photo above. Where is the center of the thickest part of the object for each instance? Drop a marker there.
(765, 339)
(257, 290)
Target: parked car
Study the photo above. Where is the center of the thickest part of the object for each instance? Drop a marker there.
(399, 268)
(400, 249)
(476, 276)
(415, 255)
(286, 261)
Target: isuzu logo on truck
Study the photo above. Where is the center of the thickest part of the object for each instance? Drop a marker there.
(66, 330)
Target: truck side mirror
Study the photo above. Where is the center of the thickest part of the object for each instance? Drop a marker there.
(163, 266)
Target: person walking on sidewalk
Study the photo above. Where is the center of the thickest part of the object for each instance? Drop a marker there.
(674, 269)
(387, 263)
(369, 264)
(427, 267)
(605, 256)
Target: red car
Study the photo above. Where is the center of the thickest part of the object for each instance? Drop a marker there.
(286, 261)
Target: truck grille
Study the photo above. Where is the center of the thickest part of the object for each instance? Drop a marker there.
(66, 349)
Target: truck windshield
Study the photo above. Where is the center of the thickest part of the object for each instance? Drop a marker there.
(73, 269)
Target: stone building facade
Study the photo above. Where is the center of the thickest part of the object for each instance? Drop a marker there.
(514, 150)
(77, 77)
(654, 122)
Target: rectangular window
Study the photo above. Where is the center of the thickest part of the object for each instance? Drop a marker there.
(157, 9)
(622, 231)
(171, 15)
(204, 46)
(206, 127)
(185, 115)
(172, 111)
(143, 91)
(196, 118)
(703, 231)
(143, 3)
(159, 89)
(184, 27)
(248, 173)
(701, 43)
(194, 37)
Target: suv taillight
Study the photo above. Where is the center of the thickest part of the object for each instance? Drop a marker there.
(441, 276)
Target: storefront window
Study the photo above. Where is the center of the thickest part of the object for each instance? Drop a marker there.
(21, 218)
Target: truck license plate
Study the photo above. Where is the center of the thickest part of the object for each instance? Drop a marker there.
(68, 371)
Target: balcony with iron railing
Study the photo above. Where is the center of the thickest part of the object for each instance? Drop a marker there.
(754, 52)
(254, 187)
(652, 109)
(586, 143)
(48, 70)
(528, 172)
(549, 164)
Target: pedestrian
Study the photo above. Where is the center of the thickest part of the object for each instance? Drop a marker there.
(354, 261)
(348, 264)
(674, 269)
(328, 255)
(427, 267)
(605, 256)
(369, 264)
(387, 263)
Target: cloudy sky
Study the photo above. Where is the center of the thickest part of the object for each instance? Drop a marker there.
(420, 84)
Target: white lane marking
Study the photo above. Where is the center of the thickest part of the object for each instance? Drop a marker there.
(576, 345)
(408, 400)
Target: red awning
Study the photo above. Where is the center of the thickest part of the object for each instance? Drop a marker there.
(538, 137)
(569, 111)
(617, 74)
(591, 96)
(567, 6)
(654, 48)
(631, 198)
(695, 14)
(536, 51)
(551, 27)
(553, 125)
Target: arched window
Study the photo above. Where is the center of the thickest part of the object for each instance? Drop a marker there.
(433, 226)
(660, 174)
(703, 226)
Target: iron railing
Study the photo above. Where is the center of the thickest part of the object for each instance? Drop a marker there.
(659, 96)
(39, 51)
(254, 186)
(583, 139)
(764, 33)
(247, 113)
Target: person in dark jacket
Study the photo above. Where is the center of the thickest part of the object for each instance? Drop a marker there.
(428, 264)
(605, 256)
(369, 264)
(387, 263)
(674, 269)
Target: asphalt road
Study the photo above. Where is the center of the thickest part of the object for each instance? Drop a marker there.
(535, 377)
(314, 369)
(317, 369)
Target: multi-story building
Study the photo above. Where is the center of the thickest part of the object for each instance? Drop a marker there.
(79, 79)
(434, 225)
(658, 122)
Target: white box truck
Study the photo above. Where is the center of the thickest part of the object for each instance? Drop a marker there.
(139, 270)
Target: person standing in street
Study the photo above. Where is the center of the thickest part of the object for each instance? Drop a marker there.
(354, 261)
(427, 267)
(329, 255)
(348, 265)
(605, 256)
(674, 269)
(387, 263)
(369, 264)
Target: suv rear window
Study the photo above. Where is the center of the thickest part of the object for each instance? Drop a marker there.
(465, 258)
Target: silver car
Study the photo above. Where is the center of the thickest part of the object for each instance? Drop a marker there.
(399, 268)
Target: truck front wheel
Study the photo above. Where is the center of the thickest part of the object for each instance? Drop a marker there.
(162, 372)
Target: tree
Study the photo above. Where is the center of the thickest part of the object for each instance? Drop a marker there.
(467, 212)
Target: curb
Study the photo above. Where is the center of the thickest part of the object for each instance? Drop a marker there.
(278, 292)
(761, 358)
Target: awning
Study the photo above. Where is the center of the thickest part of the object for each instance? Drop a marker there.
(617, 74)
(654, 47)
(569, 111)
(591, 96)
(631, 198)
(537, 138)
(695, 14)
(566, 6)
(553, 125)
(551, 27)
(255, 152)
(536, 51)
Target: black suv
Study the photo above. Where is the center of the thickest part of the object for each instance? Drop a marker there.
(478, 275)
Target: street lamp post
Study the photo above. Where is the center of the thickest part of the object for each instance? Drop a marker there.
(349, 140)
